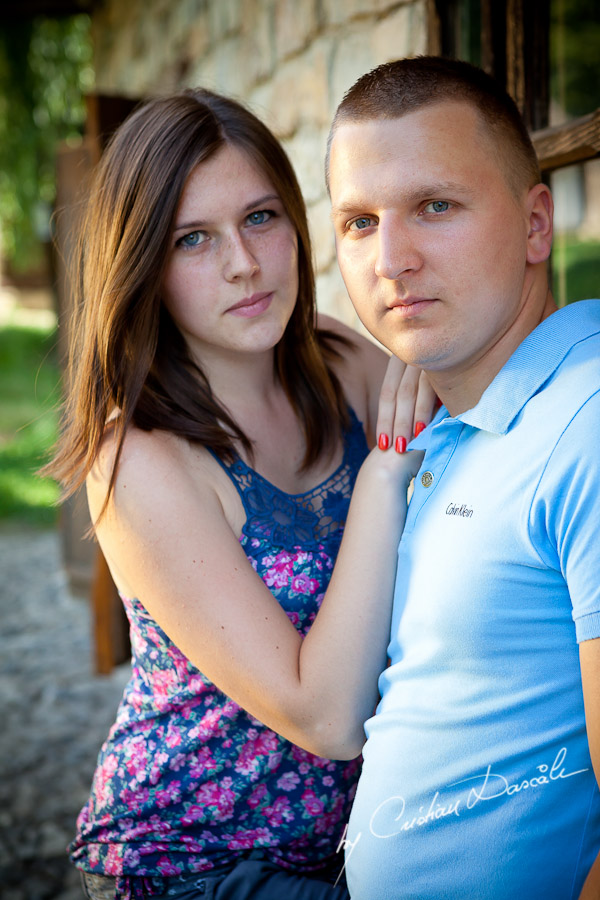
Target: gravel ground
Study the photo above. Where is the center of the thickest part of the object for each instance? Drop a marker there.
(54, 715)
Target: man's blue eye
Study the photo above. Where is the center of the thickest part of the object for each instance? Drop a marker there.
(439, 206)
(361, 223)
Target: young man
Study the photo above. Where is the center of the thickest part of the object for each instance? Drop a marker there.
(478, 777)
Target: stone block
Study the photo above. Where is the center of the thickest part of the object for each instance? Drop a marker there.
(321, 232)
(125, 48)
(353, 57)
(237, 62)
(221, 71)
(307, 152)
(257, 45)
(197, 42)
(294, 25)
(337, 12)
(332, 297)
(402, 33)
(298, 92)
(224, 18)
(259, 102)
(190, 12)
(367, 44)
(203, 72)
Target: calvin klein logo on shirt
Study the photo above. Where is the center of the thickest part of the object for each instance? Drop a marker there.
(463, 510)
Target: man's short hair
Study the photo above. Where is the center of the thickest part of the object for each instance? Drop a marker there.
(393, 89)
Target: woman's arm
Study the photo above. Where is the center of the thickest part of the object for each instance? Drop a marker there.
(589, 655)
(168, 542)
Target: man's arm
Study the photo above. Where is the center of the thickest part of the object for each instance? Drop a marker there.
(589, 656)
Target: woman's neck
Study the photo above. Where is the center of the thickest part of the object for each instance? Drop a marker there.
(242, 380)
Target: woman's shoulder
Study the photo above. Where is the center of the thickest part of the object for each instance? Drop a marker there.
(164, 485)
(137, 452)
(147, 461)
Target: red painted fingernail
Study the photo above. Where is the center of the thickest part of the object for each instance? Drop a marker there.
(384, 442)
(400, 444)
(419, 428)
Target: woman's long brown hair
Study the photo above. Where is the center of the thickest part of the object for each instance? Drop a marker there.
(125, 351)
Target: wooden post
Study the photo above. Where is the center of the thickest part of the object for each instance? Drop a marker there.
(110, 634)
(85, 564)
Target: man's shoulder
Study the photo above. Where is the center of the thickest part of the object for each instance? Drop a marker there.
(557, 366)
(576, 321)
(574, 334)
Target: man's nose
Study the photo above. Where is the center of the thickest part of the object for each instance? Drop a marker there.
(238, 260)
(397, 250)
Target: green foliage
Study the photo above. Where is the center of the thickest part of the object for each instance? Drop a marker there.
(29, 393)
(45, 68)
(574, 43)
(575, 269)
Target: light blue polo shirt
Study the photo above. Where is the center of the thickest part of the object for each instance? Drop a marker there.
(477, 778)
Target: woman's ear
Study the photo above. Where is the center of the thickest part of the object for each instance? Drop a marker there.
(540, 208)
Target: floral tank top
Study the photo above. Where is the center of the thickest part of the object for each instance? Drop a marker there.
(187, 781)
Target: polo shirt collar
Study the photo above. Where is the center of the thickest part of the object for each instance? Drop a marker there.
(534, 361)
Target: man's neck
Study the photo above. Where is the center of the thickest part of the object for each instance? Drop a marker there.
(461, 389)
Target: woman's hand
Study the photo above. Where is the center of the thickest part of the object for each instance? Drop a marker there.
(406, 404)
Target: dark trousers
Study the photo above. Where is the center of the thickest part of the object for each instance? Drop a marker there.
(250, 879)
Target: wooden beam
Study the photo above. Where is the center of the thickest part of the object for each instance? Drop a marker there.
(493, 39)
(434, 28)
(104, 114)
(515, 57)
(110, 626)
(527, 59)
(55, 9)
(573, 142)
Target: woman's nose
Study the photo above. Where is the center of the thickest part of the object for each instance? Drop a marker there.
(239, 262)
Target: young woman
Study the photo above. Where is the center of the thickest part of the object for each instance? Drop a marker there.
(220, 434)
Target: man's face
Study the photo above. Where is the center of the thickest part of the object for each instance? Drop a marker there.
(431, 241)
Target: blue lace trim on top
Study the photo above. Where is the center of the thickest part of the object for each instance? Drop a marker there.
(309, 519)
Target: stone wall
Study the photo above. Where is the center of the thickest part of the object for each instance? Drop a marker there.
(290, 60)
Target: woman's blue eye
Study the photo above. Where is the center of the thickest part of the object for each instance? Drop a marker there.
(192, 239)
(259, 217)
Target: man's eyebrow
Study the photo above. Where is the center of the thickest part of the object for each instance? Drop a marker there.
(435, 191)
(344, 209)
(438, 189)
(198, 224)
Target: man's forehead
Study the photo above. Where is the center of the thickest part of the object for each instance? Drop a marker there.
(456, 113)
(433, 144)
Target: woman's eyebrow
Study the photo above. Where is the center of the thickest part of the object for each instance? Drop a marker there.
(197, 224)
(266, 199)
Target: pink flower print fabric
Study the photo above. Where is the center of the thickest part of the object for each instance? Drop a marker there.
(187, 781)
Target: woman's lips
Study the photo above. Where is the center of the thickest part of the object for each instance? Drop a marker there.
(252, 306)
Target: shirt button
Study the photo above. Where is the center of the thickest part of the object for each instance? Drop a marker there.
(427, 479)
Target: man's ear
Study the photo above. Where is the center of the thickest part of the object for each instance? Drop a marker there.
(540, 208)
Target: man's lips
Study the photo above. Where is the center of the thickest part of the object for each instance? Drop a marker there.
(253, 305)
(409, 307)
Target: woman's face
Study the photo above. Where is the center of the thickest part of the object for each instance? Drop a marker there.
(231, 280)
